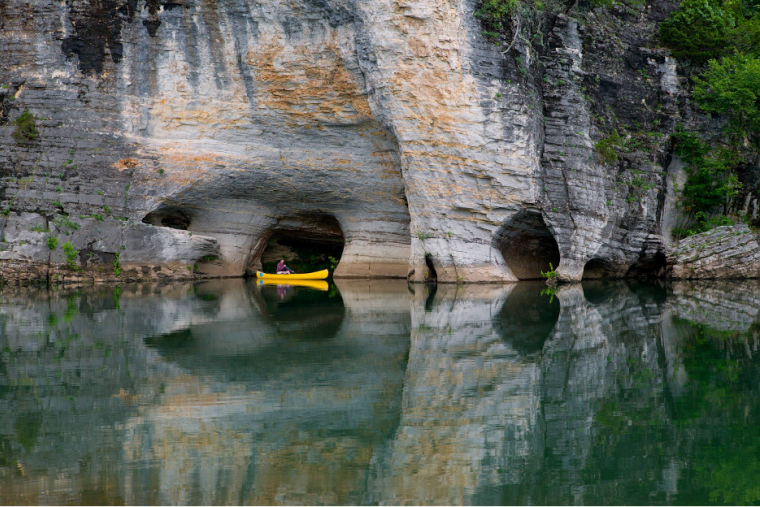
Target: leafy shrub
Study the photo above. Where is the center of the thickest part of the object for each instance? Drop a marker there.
(117, 264)
(71, 255)
(551, 273)
(608, 148)
(26, 127)
(495, 16)
(731, 87)
(52, 242)
(711, 182)
(703, 224)
(702, 30)
(698, 31)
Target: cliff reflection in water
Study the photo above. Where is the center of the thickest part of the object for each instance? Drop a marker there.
(378, 392)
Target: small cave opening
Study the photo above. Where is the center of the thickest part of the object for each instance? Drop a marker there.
(596, 269)
(306, 243)
(527, 245)
(431, 276)
(168, 217)
(653, 265)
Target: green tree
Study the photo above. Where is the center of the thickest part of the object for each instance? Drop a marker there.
(702, 30)
(698, 31)
(731, 87)
(711, 182)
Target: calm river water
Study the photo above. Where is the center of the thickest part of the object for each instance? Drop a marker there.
(376, 392)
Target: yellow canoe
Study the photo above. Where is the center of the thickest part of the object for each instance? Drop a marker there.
(317, 275)
(311, 284)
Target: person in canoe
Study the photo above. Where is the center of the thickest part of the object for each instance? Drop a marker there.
(282, 269)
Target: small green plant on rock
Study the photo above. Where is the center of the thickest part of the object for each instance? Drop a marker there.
(26, 127)
(52, 242)
(71, 255)
(608, 148)
(117, 264)
(551, 273)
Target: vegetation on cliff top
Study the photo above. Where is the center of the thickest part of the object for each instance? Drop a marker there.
(702, 30)
(721, 39)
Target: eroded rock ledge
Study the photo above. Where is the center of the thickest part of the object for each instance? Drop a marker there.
(202, 130)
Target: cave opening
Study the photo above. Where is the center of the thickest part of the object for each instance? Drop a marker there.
(650, 265)
(431, 275)
(527, 245)
(596, 269)
(306, 243)
(172, 218)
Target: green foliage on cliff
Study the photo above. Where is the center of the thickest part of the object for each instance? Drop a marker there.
(731, 87)
(26, 127)
(71, 255)
(710, 185)
(495, 16)
(702, 30)
(608, 148)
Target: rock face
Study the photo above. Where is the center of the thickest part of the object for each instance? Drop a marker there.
(395, 126)
(723, 252)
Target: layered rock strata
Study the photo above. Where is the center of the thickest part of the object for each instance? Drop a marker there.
(394, 127)
(723, 252)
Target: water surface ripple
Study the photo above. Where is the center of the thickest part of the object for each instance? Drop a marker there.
(379, 392)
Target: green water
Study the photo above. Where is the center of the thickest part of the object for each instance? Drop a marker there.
(376, 392)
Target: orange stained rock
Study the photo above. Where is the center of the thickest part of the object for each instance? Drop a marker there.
(308, 83)
(126, 163)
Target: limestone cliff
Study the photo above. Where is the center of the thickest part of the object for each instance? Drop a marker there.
(186, 134)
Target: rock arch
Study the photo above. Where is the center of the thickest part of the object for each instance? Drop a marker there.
(306, 239)
(527, 245)
(597, 268)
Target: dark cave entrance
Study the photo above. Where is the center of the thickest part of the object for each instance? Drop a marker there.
(431, 276)
(527, 245)
(596, 269)
(172, 218)
(307, 243)
(649, 265)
